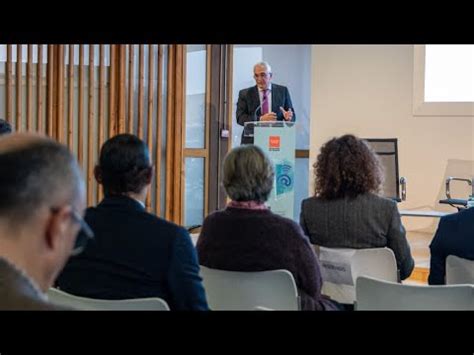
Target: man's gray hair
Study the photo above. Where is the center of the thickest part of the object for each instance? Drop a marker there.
(37, 173)
(263, 64)
(248, 174)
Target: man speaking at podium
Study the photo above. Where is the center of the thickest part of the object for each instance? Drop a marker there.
(264, 101)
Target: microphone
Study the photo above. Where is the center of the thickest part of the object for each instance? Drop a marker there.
(259, 107)
(248, 127)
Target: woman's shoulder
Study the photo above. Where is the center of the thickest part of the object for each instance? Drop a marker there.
(312, 201)
(381, 201)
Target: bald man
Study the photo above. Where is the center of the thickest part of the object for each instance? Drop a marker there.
(42, 200)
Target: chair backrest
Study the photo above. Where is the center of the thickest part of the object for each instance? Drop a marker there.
(459, 270)
(233, 290)
(373, 295)
(387, 151)
(340, 268)
(89, 304)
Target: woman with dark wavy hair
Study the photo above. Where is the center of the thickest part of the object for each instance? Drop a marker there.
(346, 210)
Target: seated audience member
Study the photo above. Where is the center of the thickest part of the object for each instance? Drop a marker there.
(134, 254)
(346, 211)
(42, 199)
(5, 127)
(454, 236)
(247, 236)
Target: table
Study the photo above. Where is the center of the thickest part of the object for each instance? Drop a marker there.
(425, 213)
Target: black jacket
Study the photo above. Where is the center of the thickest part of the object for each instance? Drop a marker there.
(454, 236)
(248, 106)
(134, 255)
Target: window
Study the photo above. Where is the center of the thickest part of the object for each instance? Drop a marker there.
(443, 80)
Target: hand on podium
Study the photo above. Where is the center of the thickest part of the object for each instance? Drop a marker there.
(270, 116)
(287, 115)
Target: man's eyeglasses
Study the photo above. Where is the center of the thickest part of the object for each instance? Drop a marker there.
(261, 75)
(85, 233)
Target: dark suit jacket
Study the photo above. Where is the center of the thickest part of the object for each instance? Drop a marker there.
(367, 221)
(455, 236)
(248, 106)
(134, 255)
(17, 292)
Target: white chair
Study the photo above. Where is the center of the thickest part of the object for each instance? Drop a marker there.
(89, 304)
(375, 295)
(459, 270)
(233, 290)
(340, 268)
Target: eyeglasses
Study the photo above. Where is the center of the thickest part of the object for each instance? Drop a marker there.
(85, 233)
(261, 75)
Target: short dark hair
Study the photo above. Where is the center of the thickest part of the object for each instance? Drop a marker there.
(5, 127)
(124, 165)
(347, 166)
(36, 174)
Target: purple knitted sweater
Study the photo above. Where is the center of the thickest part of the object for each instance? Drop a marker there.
(237, 239)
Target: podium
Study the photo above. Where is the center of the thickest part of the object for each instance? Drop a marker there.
(277, 140)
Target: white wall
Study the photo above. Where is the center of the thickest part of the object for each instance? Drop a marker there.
(368, 91)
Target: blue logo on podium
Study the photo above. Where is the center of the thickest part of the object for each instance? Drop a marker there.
(284, 177)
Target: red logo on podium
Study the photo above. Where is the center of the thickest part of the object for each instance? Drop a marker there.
(274, 142)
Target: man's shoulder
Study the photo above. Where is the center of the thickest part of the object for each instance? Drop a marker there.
(464, 217)
(246, 91)
(143, 221)
(278, 87)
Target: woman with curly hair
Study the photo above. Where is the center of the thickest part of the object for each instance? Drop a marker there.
(346, 210)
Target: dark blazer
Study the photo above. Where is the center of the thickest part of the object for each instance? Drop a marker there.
(248, 106)
(17, 292)
(238, 239)
(134, 255)
(366, 221)
(454, 236)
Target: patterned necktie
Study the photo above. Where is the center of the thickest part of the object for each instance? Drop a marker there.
(265, 102)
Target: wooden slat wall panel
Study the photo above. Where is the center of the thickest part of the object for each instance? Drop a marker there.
(66, 119)
(179, 96)
(29, 88)
(122, 90)
(39, 90)
(206, 129)
(101, 107)
(159, 118)
(19, 86)
(9, 83)
(112, 90)
(151, 73)
(49, 85)
(59, 124)
(70, 86)
(80, 108)
(169, 194)
(131, 85)
(90, 129)
(141, 79)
